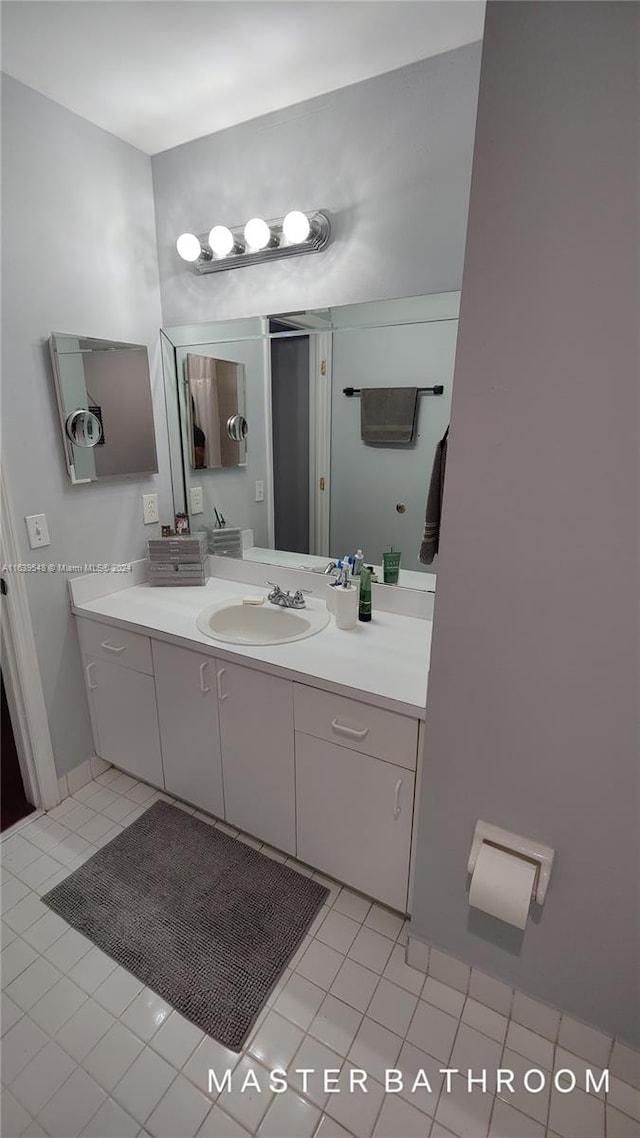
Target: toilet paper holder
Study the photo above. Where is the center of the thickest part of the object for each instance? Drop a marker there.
(514, 844)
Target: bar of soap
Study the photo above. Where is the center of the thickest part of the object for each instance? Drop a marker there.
(253, 600)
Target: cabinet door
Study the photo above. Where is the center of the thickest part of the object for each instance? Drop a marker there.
(354, 817)
(125, 719)
(256, 732)
(189, 732)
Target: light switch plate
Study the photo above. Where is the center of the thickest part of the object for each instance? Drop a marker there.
(195, 498)
(260, 491)
(150, 509)
(38, 530)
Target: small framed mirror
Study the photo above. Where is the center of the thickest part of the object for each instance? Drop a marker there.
(215, 398)
(103, 391)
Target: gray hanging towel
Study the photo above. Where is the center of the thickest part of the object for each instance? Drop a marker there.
(431, 536)
(388, 414)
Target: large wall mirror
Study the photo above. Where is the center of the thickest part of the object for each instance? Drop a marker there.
(345, 408)
(103, 391)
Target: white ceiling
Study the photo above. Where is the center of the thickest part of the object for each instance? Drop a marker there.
(158, 73)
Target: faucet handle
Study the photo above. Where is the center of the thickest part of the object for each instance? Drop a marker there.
(277, 596)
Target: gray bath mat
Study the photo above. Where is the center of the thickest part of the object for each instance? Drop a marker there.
(201, 918)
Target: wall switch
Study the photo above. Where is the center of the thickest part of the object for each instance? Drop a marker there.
(195, 498)
(150, 509)
(38, 530)
(259, 491)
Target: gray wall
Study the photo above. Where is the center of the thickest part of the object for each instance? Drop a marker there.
(78, 256)
(536, 616)
(390, 158)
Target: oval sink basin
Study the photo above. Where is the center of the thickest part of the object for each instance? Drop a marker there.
(235, 623)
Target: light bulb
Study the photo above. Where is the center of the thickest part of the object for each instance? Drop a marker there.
(257, 233)
(221, 240)
(188, 247)
(296, 227)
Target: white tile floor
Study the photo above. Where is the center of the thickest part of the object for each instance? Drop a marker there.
(88, 1050)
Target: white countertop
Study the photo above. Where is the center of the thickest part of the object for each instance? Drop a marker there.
(385, 662)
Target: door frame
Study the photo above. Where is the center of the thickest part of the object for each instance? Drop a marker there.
(269, 496)
(20, 659)
(319, 442)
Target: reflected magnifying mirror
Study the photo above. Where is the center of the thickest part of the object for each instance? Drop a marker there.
(83, 428)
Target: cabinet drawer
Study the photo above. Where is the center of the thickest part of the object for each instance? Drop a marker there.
(116, 645)
(349, 723)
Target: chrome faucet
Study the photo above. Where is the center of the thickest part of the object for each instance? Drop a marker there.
(277, 596)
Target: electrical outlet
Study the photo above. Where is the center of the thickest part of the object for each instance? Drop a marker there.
(195, 497)
(150, 509)
(260, 491)
(38, 530)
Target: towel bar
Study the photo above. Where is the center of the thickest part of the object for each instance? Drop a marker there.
(437, 390)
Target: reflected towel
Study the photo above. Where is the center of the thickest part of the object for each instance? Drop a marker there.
(388, 414)
(431, 535)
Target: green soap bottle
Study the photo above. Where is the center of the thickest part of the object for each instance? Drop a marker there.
(364, 608)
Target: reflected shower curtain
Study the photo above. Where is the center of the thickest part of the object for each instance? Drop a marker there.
(201, 372)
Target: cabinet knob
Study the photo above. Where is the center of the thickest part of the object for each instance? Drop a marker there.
(91, 686)
(219, 674)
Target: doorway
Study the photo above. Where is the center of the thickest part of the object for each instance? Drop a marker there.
(290, 425)
(14, 804)
(299, 397)
(25, 739)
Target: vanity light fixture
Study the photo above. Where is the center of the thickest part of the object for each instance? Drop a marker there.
(258, 240)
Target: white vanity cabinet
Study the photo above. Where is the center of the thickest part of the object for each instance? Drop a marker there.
(321, 776)
(189, 730)
(355, 810)
(256, 733)
(122, 699)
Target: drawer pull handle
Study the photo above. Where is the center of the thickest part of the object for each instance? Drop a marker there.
(341, 729)
(397, 809)
(92, 687)
(203, 687)
(112, 647)
(219, 674)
